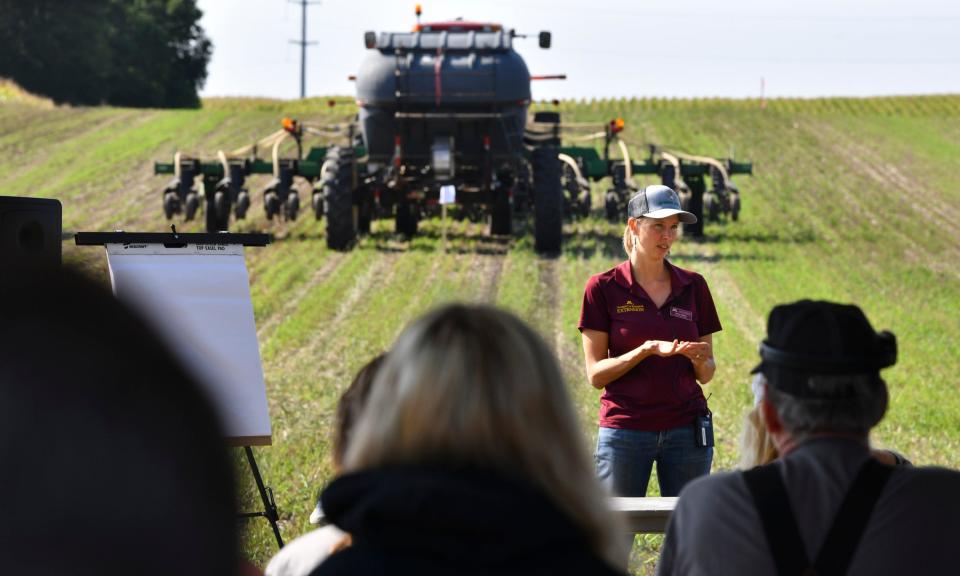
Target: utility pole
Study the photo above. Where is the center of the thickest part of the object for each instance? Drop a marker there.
(303, 43)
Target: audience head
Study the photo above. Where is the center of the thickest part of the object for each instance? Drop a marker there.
(351, 405)
(114, 461)
(821, 366)
(473, 386)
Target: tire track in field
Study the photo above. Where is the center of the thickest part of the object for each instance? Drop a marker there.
(547, 316)
(486, 262)
(545, 310)
(491, 267)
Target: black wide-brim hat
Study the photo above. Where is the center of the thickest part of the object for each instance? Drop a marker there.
(817, 337)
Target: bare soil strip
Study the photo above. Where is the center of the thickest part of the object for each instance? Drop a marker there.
(545, 312)
(491, 267)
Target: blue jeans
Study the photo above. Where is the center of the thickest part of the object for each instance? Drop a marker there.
(625, 459)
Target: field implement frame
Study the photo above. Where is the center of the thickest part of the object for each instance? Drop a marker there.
(351, 195)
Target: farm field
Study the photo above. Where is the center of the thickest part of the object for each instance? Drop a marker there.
(853, 200)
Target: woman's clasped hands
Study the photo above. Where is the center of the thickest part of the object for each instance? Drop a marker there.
(696, 351)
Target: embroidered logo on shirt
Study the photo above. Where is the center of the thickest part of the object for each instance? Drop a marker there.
(629, 307)
(681, 313)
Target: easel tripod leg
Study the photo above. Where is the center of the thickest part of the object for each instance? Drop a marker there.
(269, 506)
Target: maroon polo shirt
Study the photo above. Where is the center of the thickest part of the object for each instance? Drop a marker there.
(658, 393)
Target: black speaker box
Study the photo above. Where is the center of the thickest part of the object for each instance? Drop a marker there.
(30, 232)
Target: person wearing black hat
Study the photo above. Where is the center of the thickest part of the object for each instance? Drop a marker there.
(825, 506)
(647, 329)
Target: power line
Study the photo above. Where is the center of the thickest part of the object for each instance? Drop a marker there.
(303, 42)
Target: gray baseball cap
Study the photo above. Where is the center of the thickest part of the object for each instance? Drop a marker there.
(658, 201)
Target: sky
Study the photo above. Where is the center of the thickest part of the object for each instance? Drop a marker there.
(614, 48)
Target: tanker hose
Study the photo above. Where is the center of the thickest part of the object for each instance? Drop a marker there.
(265, 141)
(569, 161)
(675, 162)
(628, 166)
(707, 160)
(325, 169)
(594, 136)
(276, 156)
(224, 163)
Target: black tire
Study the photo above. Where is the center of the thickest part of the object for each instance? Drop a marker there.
(243, 204)
(221, 202)
(696, 208)
(522, 186)
(611, 205)
(711, 206)
(192, 204)
(571, 191)
(171, 205)
(213, 209)
(586, 202)
(734, 206)
(364, 222)
(271, 204)
(316, 202)
(338, 200)
(407, 219)
(501, 218)
(291, 208)
(365, 212)
(547, 201)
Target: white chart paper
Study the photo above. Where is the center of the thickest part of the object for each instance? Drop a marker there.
(198, 298)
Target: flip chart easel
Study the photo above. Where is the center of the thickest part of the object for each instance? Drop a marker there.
(194, 291)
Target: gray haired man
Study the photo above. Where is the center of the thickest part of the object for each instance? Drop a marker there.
(825, 506)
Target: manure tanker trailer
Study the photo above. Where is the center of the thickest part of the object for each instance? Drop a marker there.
(444, 108)
(443, 117)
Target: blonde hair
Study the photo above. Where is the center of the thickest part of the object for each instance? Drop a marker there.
(475, 386)
(629, 237)
(756, 446)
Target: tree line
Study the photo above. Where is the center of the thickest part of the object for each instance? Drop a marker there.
(138, 53)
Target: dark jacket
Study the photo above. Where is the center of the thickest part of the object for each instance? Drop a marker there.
(431, 521)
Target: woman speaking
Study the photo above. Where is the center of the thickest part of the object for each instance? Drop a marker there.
(646, 327)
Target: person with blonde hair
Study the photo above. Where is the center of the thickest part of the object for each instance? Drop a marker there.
(757, 447)
(647, 328)
(468, 459)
